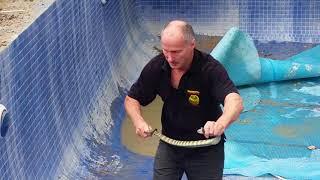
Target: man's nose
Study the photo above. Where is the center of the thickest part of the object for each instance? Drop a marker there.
(170, 57)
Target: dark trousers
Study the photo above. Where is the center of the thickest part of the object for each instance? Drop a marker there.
(198, 163)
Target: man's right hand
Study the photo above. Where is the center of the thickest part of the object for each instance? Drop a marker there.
(133, 109)
(143, 129)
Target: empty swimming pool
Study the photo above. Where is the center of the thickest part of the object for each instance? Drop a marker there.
(64, 79)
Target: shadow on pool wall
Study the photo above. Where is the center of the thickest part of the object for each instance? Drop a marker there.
(64, 78)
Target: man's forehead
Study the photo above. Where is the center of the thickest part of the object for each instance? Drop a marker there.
(173, 40)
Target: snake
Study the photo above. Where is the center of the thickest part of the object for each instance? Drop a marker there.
(186, 144)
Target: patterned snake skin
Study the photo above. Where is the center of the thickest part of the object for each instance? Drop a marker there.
(187, 144)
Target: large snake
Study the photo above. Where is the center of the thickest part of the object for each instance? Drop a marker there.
(187, 144)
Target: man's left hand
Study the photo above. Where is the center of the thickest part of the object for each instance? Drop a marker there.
(213, 129)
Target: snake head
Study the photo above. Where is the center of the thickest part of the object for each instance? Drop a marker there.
(201, 130)
(150, 133)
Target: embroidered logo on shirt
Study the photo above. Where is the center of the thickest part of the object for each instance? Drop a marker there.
(193, 97)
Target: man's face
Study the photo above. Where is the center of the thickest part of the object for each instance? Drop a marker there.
(178, 52)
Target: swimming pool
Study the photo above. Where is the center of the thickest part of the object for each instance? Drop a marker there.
(63, 80)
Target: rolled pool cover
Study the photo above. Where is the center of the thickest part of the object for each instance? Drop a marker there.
(238, 54)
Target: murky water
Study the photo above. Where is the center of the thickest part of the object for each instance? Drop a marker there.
(152, 114)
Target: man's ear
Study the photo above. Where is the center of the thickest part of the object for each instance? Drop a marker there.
(193, 43)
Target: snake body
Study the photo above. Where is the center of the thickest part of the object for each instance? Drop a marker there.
(187, 144)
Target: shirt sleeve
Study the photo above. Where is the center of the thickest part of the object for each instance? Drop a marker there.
(222, 85)
(144, 89)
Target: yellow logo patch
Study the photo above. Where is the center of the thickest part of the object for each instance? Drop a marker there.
(193, 97)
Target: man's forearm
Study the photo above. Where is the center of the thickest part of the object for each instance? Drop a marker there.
(231, 110)
(133, 109)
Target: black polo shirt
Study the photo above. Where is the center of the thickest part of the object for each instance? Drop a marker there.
(197, 100)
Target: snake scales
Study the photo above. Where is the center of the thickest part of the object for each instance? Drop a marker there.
(187, 144)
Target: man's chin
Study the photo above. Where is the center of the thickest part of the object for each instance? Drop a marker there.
(174, 66)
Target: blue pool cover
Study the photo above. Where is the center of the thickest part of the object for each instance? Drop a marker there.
(281, 119)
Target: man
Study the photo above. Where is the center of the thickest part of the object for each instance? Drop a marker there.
(192, 85)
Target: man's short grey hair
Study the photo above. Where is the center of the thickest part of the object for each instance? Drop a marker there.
(186, 29)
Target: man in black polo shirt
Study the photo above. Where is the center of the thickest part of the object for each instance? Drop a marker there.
(192, 85)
